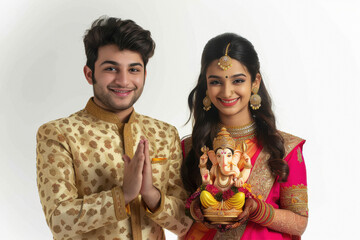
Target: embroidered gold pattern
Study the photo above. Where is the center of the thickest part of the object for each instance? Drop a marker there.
(85, 150)
(261, 179)
(300, 159)
(118, 202)
(295, 199)
(232, 234)
(290, 141)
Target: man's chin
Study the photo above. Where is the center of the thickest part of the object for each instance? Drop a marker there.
(118, 107)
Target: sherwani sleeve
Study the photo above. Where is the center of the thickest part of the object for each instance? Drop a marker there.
(171, 213)
(67, 213)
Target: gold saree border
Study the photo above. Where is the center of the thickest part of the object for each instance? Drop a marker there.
(290, 142)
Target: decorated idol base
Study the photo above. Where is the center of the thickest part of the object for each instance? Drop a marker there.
(221, 207)
(221, 216)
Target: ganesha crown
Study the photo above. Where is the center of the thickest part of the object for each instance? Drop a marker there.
(223, 140)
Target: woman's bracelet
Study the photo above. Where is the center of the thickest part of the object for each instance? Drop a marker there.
(263, 214)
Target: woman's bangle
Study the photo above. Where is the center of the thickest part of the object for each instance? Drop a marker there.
(263, 214)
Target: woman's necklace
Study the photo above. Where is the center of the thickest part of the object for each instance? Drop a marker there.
(241, 134)
(244, 132)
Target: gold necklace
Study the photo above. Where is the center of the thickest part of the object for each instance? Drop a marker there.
(240, 133)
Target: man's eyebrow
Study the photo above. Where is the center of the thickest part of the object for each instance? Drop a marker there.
(109, 62)
(117, 64)
(135, 64)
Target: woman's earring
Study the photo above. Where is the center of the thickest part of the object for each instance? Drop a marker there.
(206, 102)
(255, 99)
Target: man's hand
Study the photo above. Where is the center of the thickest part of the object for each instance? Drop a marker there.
(149, 193)
(133, 173)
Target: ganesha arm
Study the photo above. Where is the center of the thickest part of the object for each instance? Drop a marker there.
(204, 172)
(235, 161)
(288, 222)
(212, 157)
(245, 173)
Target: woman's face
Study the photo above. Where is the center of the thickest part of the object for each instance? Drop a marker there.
(230, 90)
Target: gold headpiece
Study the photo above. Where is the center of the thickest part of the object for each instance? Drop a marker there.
(225, 61)
(224, 140)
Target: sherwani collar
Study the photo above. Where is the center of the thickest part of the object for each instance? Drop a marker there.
(105, 115)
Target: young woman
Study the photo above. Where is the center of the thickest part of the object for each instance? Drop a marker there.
(231, 93)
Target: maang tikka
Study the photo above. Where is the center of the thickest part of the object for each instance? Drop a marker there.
(225, 61)
(255, 99)
(207, 102)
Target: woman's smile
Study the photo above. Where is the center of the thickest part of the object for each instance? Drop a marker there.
(228, 102)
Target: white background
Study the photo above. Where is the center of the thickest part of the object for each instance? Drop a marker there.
(309, 53)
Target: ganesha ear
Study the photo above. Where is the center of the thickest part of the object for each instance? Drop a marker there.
(212, 157)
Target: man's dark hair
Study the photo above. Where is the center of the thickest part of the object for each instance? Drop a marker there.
(125, 34)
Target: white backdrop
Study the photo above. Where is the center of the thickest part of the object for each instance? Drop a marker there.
(309, 53)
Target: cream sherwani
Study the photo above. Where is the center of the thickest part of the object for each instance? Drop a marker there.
(80, 174)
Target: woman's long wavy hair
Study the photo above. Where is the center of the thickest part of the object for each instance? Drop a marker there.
(205, 123)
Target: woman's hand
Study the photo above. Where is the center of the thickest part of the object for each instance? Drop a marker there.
(195, 209)
(196, 213)
(249, 208)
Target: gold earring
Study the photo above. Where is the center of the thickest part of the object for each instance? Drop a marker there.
(255, 99)
(206, 102)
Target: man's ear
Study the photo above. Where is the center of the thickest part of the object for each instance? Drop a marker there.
(145, 72)
(88, 75)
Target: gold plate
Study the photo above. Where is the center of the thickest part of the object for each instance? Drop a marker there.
(217, 216)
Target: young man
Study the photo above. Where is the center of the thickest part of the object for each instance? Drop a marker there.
(107, 172)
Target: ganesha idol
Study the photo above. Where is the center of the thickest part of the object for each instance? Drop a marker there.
(221, 200)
